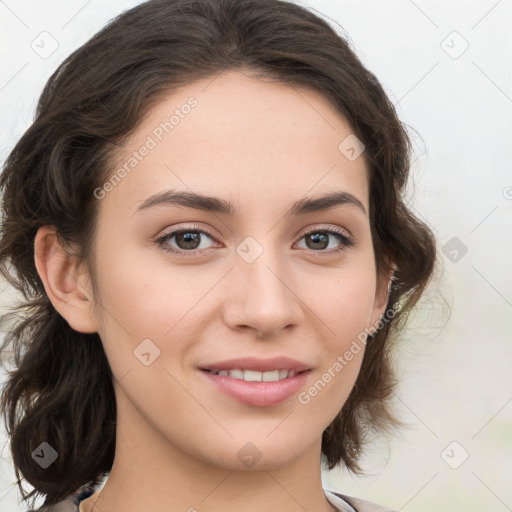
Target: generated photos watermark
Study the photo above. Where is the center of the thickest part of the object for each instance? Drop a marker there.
(304, 397)
(151, 142)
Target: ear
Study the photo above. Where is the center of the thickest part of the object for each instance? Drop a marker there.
(67, 288)
(382, 292)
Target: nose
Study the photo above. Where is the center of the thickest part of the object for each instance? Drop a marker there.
(261, 298)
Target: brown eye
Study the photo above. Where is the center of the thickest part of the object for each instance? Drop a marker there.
(187, 241)
(320, 239)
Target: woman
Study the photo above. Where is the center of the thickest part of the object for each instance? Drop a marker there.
(206, 218)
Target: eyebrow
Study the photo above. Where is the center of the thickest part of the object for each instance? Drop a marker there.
(214, 204)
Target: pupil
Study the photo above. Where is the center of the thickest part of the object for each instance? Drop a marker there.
(188, 239)
(317, 236)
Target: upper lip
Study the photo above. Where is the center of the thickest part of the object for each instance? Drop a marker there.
(261, 365)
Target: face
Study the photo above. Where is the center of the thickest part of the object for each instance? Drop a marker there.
(184, 289)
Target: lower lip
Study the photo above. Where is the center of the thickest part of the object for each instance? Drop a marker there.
(260, 394)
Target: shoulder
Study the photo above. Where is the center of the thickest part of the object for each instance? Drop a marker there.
(360, 505)
(71, 502)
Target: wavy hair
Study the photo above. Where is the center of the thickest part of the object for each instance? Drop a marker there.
(60, 390)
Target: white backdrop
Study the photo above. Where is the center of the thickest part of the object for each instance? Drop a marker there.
(447, 67)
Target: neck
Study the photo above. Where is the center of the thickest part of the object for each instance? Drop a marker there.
(150, 473)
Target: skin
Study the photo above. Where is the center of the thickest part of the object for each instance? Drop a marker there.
(261, 146)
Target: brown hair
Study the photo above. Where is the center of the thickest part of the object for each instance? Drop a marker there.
(61, 390)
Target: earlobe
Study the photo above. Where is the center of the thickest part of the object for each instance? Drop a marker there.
(65, 287)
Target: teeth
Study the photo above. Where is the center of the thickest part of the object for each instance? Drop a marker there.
(255, 376)
(270, 376)
(236, 374)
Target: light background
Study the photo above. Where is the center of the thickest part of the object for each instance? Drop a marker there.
(456, 379)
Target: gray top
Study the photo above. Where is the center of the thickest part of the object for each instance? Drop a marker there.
(345, 503)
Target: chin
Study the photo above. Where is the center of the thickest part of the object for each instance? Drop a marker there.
(253, 453)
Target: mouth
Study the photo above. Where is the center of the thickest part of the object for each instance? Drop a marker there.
(258, 382)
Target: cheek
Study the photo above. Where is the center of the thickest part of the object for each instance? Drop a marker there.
(345, 307)
(139, 289)
(149, 299)
(344, 299)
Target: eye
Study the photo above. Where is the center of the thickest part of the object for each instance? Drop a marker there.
(318, 240)
(188, 241)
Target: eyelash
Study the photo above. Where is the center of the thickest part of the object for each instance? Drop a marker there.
(346, 241)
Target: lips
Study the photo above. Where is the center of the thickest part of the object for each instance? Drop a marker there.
(258, 382)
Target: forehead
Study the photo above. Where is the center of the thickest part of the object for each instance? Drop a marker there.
(241, 138)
